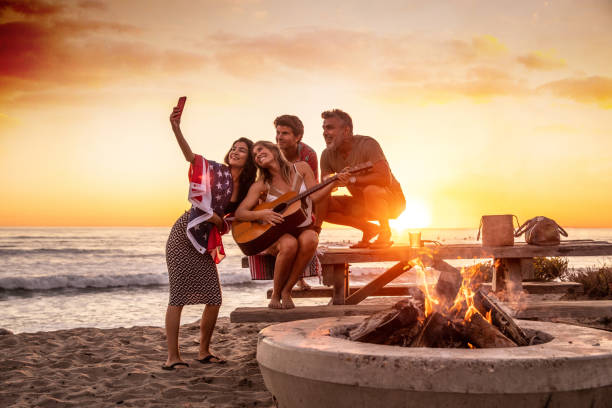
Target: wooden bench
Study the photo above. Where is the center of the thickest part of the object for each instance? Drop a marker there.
(513, 265)
(562, 311)
(535, 288)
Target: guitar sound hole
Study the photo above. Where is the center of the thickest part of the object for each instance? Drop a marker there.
(280, 208)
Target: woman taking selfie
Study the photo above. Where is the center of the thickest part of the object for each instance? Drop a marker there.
(194, 246)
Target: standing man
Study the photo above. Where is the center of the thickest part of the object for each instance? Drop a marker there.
(375, 195)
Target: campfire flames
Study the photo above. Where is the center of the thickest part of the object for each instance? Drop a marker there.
(428, 319)
(430, 301)
(463, 306)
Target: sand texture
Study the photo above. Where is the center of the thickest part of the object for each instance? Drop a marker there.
(89, 367)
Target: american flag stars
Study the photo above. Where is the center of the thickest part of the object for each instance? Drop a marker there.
(221, 186)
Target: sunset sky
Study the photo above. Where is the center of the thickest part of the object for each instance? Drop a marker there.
(482, 107)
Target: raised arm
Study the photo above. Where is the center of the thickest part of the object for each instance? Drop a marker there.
(175, 122)
(244, 211)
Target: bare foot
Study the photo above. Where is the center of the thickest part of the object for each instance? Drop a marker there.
(302, 284)
(275, 303)
(288, 302)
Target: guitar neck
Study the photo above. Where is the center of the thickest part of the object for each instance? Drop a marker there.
(312, 190)
(356, 169)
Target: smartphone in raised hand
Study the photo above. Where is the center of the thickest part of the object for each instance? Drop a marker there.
(181, 104)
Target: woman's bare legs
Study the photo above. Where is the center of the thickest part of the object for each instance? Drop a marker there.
(173, 322)
(287, 249)
(207, 326)
(307, 243)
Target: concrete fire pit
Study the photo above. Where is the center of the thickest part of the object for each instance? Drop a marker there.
(304, 367)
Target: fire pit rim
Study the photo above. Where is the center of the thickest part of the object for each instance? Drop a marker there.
(304, 348)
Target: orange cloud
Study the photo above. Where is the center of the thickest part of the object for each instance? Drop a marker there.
(30, 7)
(39, 54)
(92, 4)
(485, 46)
(402, 68)
(542, 60)
(481, 82)
(488, 45)
(334, 51)
(353, 54)
(594, 89)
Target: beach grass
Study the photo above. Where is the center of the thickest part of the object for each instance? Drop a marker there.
(596, 281)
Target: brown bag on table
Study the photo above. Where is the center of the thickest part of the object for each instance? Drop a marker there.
(541, 231)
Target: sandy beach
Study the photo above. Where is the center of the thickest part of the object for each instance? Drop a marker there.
(122, 366)
(88, 367)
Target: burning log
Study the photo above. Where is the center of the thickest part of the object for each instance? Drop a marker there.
(379, 327)
(433, 321)
(439, 331)
(449, 281)
(483, 334)
(500, 319)
(404, 336)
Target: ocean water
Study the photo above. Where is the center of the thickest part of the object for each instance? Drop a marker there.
(61, 278)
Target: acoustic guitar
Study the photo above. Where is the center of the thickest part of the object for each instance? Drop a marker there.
(253, 237)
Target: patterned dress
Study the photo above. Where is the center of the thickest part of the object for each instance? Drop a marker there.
(193, 276)
(192, 272)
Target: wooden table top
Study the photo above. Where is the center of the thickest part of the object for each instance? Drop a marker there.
(465, 251)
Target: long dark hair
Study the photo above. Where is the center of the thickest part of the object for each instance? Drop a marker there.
(285, 166)
(249, 171)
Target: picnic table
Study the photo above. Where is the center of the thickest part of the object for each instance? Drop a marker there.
(512, 264)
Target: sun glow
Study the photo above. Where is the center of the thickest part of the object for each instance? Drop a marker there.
(416, 215)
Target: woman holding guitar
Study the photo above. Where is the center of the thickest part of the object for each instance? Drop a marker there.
(194, 246)
(295, 248)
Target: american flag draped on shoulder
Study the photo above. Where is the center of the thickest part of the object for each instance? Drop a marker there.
(210, 189)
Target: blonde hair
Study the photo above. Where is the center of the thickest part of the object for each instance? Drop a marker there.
(285, 166)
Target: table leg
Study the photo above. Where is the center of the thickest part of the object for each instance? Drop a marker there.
(328, 274)
(527, 269)
(346, 280)
(336, 276)
(340, 284)
(507, 276)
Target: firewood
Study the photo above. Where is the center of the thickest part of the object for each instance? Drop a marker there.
(405, 335)
(439, 331)
(500, 319)
(483, 334)
(448, 283)
(378, 327)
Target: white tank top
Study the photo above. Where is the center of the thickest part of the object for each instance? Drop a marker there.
(297, 185)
